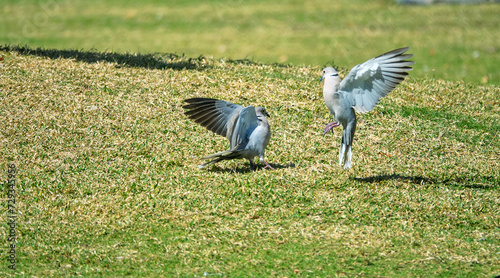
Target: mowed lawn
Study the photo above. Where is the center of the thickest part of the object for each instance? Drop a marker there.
(107, 183)
(452, 42)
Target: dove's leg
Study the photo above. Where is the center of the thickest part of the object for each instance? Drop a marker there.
(267, 164)
(329, 127)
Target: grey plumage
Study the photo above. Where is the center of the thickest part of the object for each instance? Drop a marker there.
(246, 128)
(361, 90)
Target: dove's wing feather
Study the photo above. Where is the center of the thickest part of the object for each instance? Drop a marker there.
(368, 82)
(218, 116)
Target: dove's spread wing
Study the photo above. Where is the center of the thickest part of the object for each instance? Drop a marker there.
(244, 126)
(366, 83)
(216, 115)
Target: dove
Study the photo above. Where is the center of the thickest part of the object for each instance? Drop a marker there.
(246, 128)
(360, 91)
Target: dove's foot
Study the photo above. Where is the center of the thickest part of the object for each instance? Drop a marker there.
(329, 127)
(267, 165)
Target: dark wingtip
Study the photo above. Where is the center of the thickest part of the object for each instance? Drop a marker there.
(198, 99)
(192, 103)
(396, 52)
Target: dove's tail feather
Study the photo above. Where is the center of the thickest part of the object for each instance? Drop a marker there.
(220, 156)
(210, 162)
(348, 158)
(345, 154)
(341, 154)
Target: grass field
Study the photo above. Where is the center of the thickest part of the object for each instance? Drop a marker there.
(107, 183)
(452, 42)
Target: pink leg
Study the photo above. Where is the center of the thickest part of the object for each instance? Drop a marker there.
(329, 127)
(267, 165)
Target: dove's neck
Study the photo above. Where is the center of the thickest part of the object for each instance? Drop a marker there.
(332, 83)
(330, 89)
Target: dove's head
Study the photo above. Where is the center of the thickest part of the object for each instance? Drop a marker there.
(261, 111)
(329, 71)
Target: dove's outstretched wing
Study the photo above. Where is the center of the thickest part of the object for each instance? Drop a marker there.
(368, 82)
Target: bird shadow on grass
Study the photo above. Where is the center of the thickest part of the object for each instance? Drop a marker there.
(149, 61)
(248, 169)
(482, 182)
(380, 178)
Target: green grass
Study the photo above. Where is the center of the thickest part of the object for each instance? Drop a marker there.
(108, 183)
(452, 42)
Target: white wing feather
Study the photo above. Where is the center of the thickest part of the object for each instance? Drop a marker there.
(368, 82)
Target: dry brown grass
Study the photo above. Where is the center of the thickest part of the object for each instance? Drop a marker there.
(108, 183)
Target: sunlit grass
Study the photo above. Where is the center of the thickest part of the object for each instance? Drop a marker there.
(108, 183)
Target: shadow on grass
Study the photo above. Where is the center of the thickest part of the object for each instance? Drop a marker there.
(247, 169)
(149, 61)
(483, 182)
(380, 178)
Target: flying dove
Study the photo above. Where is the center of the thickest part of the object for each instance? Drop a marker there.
(246, 128)
(361, 90)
